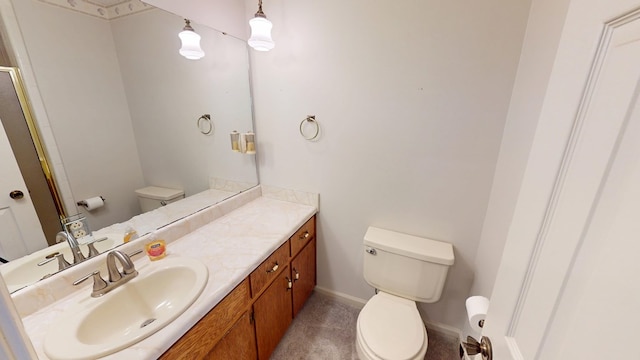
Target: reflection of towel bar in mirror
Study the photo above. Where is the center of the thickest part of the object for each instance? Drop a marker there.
(310, 119)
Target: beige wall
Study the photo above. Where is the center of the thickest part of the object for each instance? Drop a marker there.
(538, 53)
(222, 15)
(168, 93)
(83, 94)
(412, 99)
(544, 27)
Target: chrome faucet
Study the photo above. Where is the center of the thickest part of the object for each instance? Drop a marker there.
(73, 244)
(116, 278)
(128, 269)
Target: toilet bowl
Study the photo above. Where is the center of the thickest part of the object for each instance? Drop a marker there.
(390, 327)
(404, 269)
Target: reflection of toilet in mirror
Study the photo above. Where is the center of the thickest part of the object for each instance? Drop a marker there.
(403, 269)
(153, 197)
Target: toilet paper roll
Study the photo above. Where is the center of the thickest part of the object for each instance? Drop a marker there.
(477, 307)
(93, 203)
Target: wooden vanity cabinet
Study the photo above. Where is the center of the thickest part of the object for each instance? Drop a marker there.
(250, 321)
(239, 343)
(269, 269)
(272, 314)
(303, 273)
(275, 308)
(201, 339)
(303, 236)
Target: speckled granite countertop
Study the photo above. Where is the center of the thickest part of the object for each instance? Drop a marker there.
(231, 246)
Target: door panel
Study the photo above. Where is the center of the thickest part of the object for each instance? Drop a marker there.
(21, 230)
(19, 124)
(599, 302)
(566, 276)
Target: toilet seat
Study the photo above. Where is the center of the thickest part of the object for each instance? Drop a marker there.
(390, 327)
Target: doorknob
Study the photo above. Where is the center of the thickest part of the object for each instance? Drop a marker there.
(483, 347)
(16, 194)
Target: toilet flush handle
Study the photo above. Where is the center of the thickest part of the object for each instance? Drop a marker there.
(371, 250)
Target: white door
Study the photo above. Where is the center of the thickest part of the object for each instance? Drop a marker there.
(568, 287)
(21, 231)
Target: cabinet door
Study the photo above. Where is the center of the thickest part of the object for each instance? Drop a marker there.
(202, 337)
(238, 344)
(303, 271)
(272, 313)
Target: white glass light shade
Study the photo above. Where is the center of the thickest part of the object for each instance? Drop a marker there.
(261, 34)
(190, 45)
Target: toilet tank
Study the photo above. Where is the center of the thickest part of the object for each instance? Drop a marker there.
(153, 197)
(407, 266)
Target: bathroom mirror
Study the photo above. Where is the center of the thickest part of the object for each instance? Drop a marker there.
(125, 109)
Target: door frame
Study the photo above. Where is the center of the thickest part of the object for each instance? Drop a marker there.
(40, 152)
(14, 44)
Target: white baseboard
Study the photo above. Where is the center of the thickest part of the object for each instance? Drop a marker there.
(359, 303)
(341, 297)
(444, 329)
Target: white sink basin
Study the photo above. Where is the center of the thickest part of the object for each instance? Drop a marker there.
(96, 327)
(25, 271)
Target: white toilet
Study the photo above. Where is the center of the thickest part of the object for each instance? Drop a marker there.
(153, 197)
(404, 269)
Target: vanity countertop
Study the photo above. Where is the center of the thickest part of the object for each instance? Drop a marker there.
(231, 246)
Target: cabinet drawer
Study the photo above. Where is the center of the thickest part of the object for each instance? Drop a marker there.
(198, 341)
(269, 269)
(302, 236)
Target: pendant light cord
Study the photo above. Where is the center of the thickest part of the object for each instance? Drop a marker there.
(260, 13)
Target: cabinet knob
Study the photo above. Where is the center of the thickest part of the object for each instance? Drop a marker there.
(296, 275)
(289, 283)
(304, 236)
(274, 268)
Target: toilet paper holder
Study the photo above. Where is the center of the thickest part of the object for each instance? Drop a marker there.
(84, 202)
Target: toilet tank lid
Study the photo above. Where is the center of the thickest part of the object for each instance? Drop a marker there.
(408, 245)
(159, 193)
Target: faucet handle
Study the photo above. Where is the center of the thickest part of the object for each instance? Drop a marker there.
(92, 250)
(98, 281)
(62, 263)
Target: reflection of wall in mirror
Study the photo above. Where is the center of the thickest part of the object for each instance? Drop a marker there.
(225, 15)
(217, 84)
(77, 73)
(77, 59)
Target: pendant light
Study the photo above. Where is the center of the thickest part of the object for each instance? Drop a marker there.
(190, 42)
(260, 31)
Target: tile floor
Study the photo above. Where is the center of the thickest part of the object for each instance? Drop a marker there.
(326, 330)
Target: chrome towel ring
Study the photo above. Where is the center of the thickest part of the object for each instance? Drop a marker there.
(312, 120)
(205, 125)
